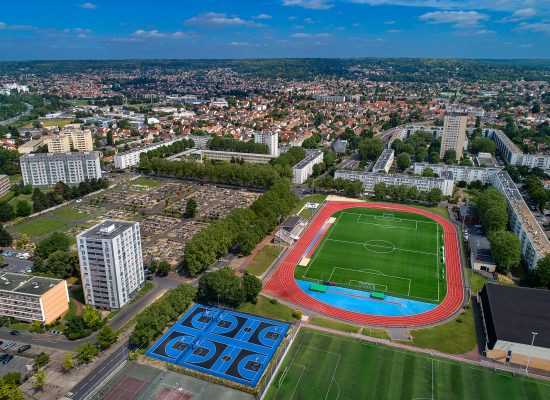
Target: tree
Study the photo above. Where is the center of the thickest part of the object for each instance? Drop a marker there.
(540, 197)
(23, 209)
(40, 379)
(434, 196)
(163, 268)
(483, 145)
(5, 237)
(221, 286)
(403, 161)
(370, 149)
(109, 138)
(86, 352)
(91, 317)
(60, 264)
(251, 286)
(540, 276)
(6, 212)
(536, 108)
(449, 157)
(380, 190)
(506, 250)
(41, 360)
(56, 241)
(106, 337)
(493, 212)
(68, 362)
(428, 172)
(190, 208)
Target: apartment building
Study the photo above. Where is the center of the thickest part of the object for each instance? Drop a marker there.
(46, 169)
(385, 161)
(336, 98)
(459, 172)
(304, 169)
(33, 298)
(271, 139)
(513, 155)
(59, 144)
(534, 243)
(30, 146)
(445, 182)
(111, 263)
(4, 184)
(233, 156)
(454, 133)
(409, 130)
(131, 158)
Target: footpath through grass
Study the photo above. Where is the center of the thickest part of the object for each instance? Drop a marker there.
(325, 366)
(263, 259)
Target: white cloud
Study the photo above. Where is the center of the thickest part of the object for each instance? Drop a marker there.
(262, 16)
(309, 4)
(526, 45)
(394, 30)
(303, 35)
(220, 20)
(499, 5)
(458, 19)
(155, 34)
(540, 27)
(520, 15)
(88, 6)
(390, 23)
(6, 27)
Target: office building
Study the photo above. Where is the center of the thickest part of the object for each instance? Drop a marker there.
(385, 161)
(4, 184)
(454, 133)
(111, 263)
(271, 139)
(304, 169)
(46, 169)
(131, 158)
(33, 298)
(445, 183)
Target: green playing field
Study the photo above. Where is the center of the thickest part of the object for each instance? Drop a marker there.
(397, 253)
(325, 366)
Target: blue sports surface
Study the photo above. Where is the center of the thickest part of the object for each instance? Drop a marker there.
(223, 343)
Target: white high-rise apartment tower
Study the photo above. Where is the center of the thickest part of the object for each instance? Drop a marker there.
(269, 138)
(111, 263)
(454, 133)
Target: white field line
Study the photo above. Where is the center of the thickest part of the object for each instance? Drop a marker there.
(323, 241)
(385, 247)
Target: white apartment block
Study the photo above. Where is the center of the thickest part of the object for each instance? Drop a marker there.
(425, 184)
(131, 158)
(269, 138)
(513, 155)
(304, 169)
(4, 184)
(454, 133)
(459, 172)
(111, 263)
(46, 169)
(385, 161)
(534, 243)
(232, 156)
(436, 131)
(336, 98)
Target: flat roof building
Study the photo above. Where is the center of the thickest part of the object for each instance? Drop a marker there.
(271, 139)
(385, 161)
(131, 158)
(304, 169)
(33, 298)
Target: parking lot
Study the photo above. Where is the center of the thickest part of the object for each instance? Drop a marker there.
(17, 364)
(15, 265)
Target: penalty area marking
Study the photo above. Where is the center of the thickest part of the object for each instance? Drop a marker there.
(374, 272)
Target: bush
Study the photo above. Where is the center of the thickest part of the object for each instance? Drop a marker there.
(273, 301)
(41, 360)
(297, 314)
(254, 300)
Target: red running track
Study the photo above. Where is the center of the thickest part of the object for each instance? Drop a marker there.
(283, 285)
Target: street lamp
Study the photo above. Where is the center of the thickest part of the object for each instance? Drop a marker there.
(530, 352)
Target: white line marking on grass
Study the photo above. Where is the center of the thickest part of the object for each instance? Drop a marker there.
(403, 219)
(299, 379)
(397, 248)
(333, 374)
(437, 260)
(322, 244)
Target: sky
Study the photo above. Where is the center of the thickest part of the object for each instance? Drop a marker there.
(184, 29)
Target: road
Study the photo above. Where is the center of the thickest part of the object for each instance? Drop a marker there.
(16, 265)
(38, 339)
(14, 119)
(94, 379)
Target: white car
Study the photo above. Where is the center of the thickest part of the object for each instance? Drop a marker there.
(79, 200)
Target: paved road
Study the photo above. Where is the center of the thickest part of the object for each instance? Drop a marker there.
(101, 372)
(16, 265)
(38, 339)
(17, 117)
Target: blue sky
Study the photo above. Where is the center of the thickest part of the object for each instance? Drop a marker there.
(115, 29)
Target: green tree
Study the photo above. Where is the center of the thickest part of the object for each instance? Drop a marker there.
(23, 209)
(434, 196)
(68, 362)
(5, 237)
(163, 268)
(6, 212)
(60, 264)
(380, 190)
(540, 277)
(106, 337)
(403, 161)
(492, 208)
(221, 286)
(190, 208)
(40, 379)
(86, 352)
(41, 360)
(371, 148)
(428, 172)
(54, 242)
(483, 145)
(449, 157)
(91, 317)
(251, 286)
(506, 250)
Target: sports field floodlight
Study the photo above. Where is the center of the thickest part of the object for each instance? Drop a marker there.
(530, 352)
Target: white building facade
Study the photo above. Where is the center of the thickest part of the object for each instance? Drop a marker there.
(454, 133)
(131, 158)
(111, 263)
(271, 139)
(460, 173)
(304, 169)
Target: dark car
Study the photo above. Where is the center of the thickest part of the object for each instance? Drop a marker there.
(23, 348)
(15, 333)
(149, 277)
(4, 265)
(7, 359)
(3, 357)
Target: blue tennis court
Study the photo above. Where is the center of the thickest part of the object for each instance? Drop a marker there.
(223, 343)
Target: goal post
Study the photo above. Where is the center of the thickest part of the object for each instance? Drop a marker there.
(368, 286)
(388, 215)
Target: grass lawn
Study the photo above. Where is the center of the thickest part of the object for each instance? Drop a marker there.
(24, 197)
(455, 337)
(70, 213)
(439, 210)
(40, 226)
(72, 310)
(398, 253)
(146, 182)
(313, 198)
(15, 178)
(263, 259)
(61, 122)
(325, 366)
(376, 333)
(78, 295)
(265, 308)
(332, 324)
(478, 281)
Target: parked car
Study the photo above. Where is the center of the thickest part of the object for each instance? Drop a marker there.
(79, 200)
(7, 345)
(4, 265)
(23, 348)
(149, 277)
(3, 357)
(8, 253)
(7, 359)
(15, 333)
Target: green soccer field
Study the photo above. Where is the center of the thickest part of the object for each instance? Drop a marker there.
(325, 366)
(398, 253)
